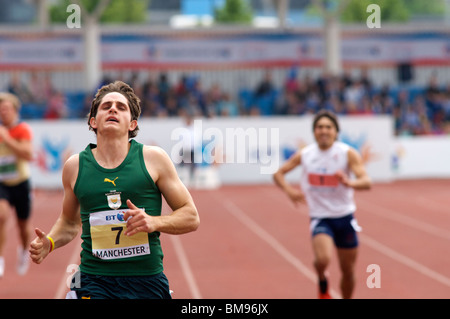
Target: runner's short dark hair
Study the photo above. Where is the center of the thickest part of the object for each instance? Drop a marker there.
(328, 114)
(124, 89)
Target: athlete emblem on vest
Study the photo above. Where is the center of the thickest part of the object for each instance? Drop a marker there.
(114, 201)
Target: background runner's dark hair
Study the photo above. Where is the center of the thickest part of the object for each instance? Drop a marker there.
(328, 114)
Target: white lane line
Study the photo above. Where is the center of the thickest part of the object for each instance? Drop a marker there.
(185, 267)
(393, 254)
(405, 260)
(182, 259)
(275, 244)
(406, 220)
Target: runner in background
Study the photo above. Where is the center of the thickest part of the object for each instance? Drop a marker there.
(16, 152)
(327, 188)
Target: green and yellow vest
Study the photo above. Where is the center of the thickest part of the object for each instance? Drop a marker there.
(102, 194)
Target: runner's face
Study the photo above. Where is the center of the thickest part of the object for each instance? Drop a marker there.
(8, 113)
(325, 132)
(113, 114)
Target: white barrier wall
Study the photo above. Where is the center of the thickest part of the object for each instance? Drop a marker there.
(421, 157)
(251, 148)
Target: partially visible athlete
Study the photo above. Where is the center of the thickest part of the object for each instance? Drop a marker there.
(16, 152)
(331, 170)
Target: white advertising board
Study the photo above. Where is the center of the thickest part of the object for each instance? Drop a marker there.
(421, 157)
(246, 149)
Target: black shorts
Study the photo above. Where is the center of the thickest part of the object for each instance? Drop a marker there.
(343, 230)
(19, 197)
(118, 287)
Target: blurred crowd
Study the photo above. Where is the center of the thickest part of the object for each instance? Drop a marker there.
(39, 94)
(416, 111)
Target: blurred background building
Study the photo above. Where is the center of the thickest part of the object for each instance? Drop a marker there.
(233, 57)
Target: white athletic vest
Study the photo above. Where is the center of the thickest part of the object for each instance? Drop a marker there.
(326, 197)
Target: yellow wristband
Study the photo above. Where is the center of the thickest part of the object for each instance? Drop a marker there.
(52, 244)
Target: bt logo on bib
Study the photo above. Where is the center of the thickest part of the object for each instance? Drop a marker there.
(118, 217)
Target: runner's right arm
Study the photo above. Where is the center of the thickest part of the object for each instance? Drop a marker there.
(295, 194)
(68, 224)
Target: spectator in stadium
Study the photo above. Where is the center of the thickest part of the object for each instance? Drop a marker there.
(291, 83)
(446, 103)
(434, 100)
(181, 88)
(19, 89)
(327, 189)
(321, 85)
(56, 106)
(192, 105)
(244, 95)
(366, 82)
(113, 191)
(16, 151)
(151, 100)
(354, 93)
(171, 106)
(265, 94)
(266, 86)
(290, 105)
(40, 88)
(209, 105)
(425, 126)
(299, 95)
(227, 107)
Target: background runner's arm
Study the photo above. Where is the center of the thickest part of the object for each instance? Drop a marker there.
(295, 194)
(22, 148)
(288, 166)
(362, 179)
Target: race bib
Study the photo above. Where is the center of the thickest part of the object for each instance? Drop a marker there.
(108, 239)
(8, 168)
(322, 180)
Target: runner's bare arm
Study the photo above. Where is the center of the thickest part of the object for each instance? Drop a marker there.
(295, 194)
(362, 179)
(68, 224)
(21, 147)
(184, 217)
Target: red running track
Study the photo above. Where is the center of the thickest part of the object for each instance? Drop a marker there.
(254, 244)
